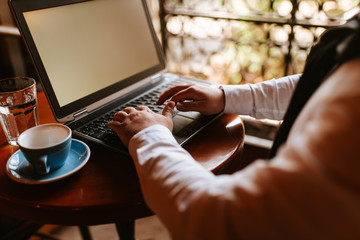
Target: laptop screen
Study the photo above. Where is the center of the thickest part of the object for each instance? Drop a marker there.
(88, 50)
(79, 46)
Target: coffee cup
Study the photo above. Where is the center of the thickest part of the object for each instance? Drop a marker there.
(46, 146)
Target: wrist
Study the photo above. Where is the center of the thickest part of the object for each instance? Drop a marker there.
(223, 99)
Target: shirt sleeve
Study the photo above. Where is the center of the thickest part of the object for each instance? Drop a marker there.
(268, 99)
(310, 190)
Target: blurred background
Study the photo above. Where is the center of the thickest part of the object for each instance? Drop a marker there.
(243, 41)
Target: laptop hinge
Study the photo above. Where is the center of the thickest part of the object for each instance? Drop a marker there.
(80, 114)
(155, 77)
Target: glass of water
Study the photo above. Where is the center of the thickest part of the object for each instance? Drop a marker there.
(18, 106)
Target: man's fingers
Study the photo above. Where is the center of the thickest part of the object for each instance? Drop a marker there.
(142, 107)
(120, 116)
(170, 92)
(114, 125)
(128, 110)
(168, 110)
(189, 106)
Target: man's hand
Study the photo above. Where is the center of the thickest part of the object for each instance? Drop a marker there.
(203, 99)
(128, 122)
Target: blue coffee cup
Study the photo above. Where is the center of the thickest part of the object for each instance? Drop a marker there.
(46, 146)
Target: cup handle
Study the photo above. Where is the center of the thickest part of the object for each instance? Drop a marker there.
(41, 166)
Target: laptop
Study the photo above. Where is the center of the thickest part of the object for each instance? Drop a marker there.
(96, 57)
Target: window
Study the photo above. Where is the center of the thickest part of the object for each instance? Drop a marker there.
(245, 41)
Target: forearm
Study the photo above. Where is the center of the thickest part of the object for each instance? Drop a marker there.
(268, 99)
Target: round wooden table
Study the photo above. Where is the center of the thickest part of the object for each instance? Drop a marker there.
(106, 189)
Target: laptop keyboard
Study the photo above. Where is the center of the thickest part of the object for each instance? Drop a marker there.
(98, 128)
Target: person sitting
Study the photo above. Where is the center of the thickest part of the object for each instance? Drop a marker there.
(309, 188)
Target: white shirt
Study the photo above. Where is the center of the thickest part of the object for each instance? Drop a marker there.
(268, 99)
(310, 190)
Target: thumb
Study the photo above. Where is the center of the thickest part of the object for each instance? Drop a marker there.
(169, 110)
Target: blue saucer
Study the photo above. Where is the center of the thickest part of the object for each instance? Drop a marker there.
(20, 170)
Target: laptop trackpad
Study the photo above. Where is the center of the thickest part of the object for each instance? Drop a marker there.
(180, 122)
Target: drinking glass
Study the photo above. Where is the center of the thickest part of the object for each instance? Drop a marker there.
(18, 106)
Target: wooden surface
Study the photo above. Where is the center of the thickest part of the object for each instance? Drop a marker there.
(106, 189)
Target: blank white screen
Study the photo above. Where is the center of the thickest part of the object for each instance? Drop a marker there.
(88, 46)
